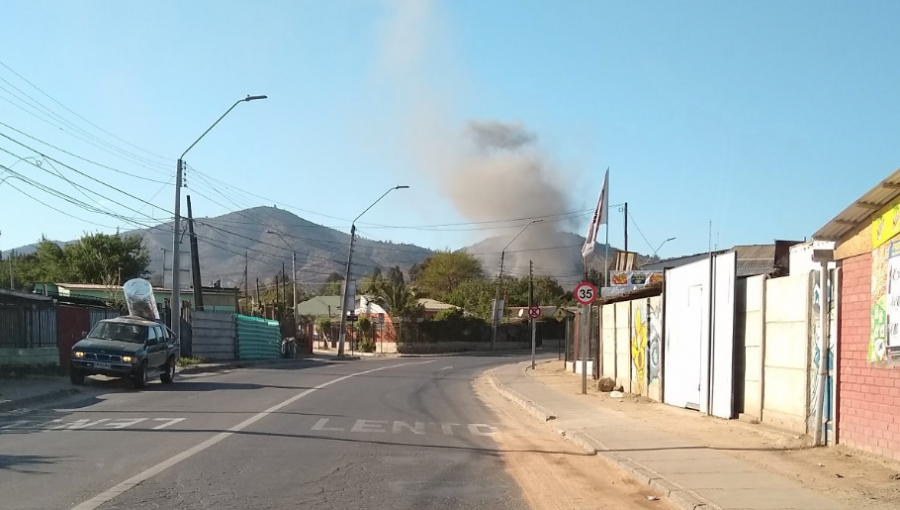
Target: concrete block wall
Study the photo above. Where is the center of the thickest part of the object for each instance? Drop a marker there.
(786, 359)
(868, 397)
(750, 335)
(39, 356)
(608, 341)
(214, 336)
(623, 345)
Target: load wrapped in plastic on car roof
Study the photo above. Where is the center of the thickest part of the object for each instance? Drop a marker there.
(140, 300)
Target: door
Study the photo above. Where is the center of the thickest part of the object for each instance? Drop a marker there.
(156, 347)
(692, 355)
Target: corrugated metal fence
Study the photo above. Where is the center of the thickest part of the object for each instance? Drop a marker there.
(257, 338)
(27, 328)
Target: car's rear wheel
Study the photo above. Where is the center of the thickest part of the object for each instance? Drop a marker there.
(168, 375)
(140, 375)
(76, 376)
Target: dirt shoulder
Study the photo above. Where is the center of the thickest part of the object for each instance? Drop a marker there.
(857, 479)
(553, 473)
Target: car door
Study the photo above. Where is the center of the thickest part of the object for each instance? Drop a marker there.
(156, 347)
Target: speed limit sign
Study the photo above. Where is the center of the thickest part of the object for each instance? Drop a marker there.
(585, 293)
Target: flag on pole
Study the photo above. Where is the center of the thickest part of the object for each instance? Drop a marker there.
(599, 218)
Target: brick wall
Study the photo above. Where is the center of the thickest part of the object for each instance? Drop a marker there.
(868, 398)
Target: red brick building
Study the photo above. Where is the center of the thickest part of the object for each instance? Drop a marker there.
(867, 249)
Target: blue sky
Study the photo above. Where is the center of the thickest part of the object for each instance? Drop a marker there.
(766, 118)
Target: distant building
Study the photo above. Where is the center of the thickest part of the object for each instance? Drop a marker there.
(214, 299)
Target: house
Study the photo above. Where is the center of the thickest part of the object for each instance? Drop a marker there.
(752, 259)
(432, 306)
(215, 299)
(320, 306)
(866, 238)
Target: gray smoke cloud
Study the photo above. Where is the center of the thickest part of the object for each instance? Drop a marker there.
(490, 169)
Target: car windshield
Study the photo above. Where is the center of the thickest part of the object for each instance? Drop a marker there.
(119, 332)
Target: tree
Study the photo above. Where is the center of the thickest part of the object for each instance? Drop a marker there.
(333, 286)
(439, 274)
(99, 258)
(399, 299)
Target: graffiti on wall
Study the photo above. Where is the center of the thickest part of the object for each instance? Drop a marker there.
(646, 345)
(884, 341)
(820, 297)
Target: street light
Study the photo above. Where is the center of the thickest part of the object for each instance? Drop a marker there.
(661, 245)
(496, 315)
(293, 266)
(176, 248)
(345, 294)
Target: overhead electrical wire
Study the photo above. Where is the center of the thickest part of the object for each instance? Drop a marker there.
(169, 160)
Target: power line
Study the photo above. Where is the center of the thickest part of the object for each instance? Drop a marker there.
(101, 165)
(79, 116)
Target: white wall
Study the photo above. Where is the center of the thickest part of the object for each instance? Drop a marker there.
(801, 256)
(623, 345)
(750, 330)
(609, 341)
(786, 352)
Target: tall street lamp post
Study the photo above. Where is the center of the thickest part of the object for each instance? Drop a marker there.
(346, 299)
(495, 320)
(176, 248)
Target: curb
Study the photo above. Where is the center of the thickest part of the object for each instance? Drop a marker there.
(533, 408)
(679, 496)
(44, 397)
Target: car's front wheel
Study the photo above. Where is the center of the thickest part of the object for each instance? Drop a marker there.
(76, 376)
(140, 375)
(168, 374)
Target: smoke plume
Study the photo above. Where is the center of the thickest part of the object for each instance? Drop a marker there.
(490, 169)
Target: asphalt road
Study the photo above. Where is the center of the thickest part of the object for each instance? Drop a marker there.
(387, 433)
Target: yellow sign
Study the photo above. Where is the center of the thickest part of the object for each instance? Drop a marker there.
(560, 314)
(885, 225)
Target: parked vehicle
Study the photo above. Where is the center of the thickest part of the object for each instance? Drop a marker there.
(126, 346)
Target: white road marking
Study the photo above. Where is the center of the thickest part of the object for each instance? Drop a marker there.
(320, 425)
(446, 368)
(369, 426)
(120, 488)
(419, 429)
(169, 421)
(80, 424)
(476, 429)
(124, 422)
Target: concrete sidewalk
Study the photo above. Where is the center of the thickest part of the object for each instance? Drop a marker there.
(691, 474)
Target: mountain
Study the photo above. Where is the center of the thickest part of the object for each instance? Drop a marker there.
(223, 241)
(553, 253)
(321, 250)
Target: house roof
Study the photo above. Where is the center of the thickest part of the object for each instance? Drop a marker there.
(861, 210)
(18, 294)
(97, 286)
(434, 305)
(752, 259)
(320, 305)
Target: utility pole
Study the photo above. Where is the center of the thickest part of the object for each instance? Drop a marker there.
(195, 260)
(283, 287)
(257, 293)
(176, 230)
(176, 252)
(349, 300)
(294, 281)
(246, 279)
(12, 281)
(626, 228)
(495, 319)
(530, 304)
